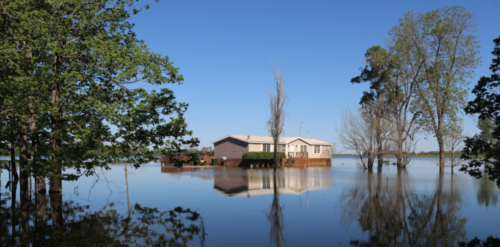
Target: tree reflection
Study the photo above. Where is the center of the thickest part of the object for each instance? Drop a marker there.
(486, 194)
(399, 217)
(476, 242)
(275, 217)
(71, 224)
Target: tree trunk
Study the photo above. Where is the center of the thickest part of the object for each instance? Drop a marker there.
(380, 162)
(380, 153)
(56, 210)
(399, 158)
(13, 212)
(25, 222)
(126, 186)
(276, 154)
(40, 182)
(23, 157)
(55, 185)
(23, 182)
(370, 165)
(23, 162)
(37, 158)
(13, 167)
(41, 201)
(441, 155)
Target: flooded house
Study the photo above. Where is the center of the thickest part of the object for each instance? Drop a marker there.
(299, 151)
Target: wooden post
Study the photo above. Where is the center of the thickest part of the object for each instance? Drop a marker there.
(126, 186)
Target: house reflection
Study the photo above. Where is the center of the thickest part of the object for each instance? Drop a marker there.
(196, 172)
(252, 182)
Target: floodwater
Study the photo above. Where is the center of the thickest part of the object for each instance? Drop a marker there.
(340, 205)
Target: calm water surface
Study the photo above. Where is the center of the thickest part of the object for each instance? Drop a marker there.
(318, 206)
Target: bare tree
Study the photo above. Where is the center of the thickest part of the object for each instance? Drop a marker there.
(377, 113)
(404, 144)
(454, 143)
(358, 133)
(277, 105)
(356, 136)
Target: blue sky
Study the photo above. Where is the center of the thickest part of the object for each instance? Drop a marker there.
(224, 48)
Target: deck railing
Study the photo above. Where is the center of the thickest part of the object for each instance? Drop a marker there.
(302, 155)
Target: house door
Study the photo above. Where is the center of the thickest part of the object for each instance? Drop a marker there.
(291, 152)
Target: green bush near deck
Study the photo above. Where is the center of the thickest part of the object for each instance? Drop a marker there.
(261, 155)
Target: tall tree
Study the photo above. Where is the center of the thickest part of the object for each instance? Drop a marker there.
(442, 40)
(393, 73)
(277, 105)
(480, 150)
(376, 73)
(79, 72)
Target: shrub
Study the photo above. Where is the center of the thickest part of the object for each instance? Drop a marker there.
(261, 155)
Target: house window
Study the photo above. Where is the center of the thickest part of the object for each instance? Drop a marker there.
(266, 147)
(317, 149)
(303, 148)
(283, 148)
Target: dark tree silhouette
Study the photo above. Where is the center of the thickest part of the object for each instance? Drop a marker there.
(478, 150)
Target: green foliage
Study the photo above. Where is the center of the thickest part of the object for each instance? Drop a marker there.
(377, 72)
(6, 151)
(261, 155)
(445, 49)
(75, 71)
(487, 105)
(486, 126)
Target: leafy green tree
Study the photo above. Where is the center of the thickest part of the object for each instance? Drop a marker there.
(481, 149)
(377, 72)
(486, 126)
(443, 42)
(77, 86)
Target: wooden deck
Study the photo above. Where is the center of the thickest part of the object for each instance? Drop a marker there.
(289, 162)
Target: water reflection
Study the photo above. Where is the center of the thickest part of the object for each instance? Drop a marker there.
(275, 217)
(486, 194)
(250, 182)
(205, 173)
(398, 216)
(71, 224)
